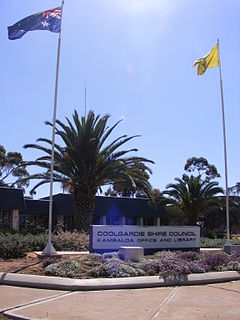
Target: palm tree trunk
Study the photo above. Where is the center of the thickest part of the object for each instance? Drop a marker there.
(83, 205)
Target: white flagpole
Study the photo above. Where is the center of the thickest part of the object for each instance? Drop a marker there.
(85, 105)
(49, 249)
(228, 242)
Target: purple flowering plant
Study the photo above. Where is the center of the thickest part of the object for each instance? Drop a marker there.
(166, 264)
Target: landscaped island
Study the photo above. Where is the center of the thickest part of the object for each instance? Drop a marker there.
(13, 258)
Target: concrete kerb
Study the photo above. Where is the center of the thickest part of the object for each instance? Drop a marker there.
(66, 284)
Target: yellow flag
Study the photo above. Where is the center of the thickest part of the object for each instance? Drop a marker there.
(209, 61)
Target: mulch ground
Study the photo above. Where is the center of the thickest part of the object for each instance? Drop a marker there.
(30, 264)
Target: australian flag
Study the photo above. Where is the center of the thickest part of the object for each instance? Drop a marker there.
(46, 20)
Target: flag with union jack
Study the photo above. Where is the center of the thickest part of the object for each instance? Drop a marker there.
(46, 20)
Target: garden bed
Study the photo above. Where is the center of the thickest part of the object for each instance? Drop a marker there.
(15, 259)
(163, 264)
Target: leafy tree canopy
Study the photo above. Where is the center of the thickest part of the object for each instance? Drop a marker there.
(123, 188)
(12, 169)
(202, 167)
(235, 190)
(157, 199)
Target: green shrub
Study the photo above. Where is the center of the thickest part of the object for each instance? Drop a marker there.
(210, 234)
(32, 229)
(12, 246)
(8, 231)
(35, 242)
(71, 241)
(217, 242)
(212, 243)
(220, 235)
(16, 245)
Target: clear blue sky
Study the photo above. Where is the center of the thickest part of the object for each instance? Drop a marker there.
(137, 57)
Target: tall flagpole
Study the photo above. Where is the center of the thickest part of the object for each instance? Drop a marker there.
(85, 104)
(49, 249)
(228, 242)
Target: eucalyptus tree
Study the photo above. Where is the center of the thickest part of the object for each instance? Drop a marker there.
(86, 161)
(122, 188)
(202, 167)
(12, 169)
(192, 196)
(235, 190)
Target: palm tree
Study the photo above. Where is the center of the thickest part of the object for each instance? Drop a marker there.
(192, 196)
(85, 162)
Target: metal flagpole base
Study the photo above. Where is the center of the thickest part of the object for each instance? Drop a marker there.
(49, 250)
(228, 247)
(228, 242)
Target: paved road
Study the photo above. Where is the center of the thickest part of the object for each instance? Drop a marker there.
(206, 302)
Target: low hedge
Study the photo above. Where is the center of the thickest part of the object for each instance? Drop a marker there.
(12, 246)
(217, 242)
(17, 245)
